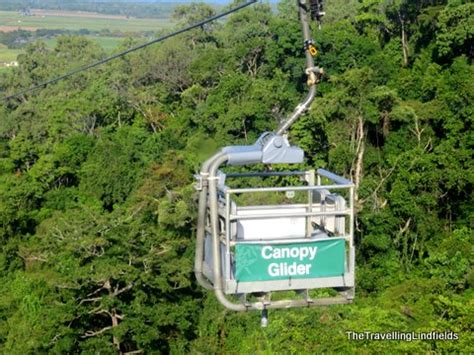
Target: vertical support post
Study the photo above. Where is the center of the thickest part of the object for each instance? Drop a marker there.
(351, 292)
(351, 227)
(310, 179)
(227, 236)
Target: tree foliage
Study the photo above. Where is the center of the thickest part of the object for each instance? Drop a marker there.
(97, 208)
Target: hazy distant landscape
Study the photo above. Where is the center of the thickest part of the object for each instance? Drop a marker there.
(106, 29)
(143, 9)
(70, 20)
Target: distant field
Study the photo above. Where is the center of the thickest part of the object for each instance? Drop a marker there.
(8, 55)
(108, 43)
(69, 20)
(75, 20)
(41, 12)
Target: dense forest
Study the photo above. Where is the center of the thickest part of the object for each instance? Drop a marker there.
(98, 210)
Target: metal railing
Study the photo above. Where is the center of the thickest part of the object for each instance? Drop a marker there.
(337, 183)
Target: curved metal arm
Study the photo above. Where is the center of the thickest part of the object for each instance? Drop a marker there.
(199, 254)
(306, 103)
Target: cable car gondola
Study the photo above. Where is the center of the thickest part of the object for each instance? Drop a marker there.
(254, 250)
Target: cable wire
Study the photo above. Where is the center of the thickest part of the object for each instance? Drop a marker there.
(133, 49)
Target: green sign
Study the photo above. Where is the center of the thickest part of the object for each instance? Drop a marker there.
(266, 262)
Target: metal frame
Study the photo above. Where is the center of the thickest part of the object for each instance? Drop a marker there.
(220, 273)
(347, 280)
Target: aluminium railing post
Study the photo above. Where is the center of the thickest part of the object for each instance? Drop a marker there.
(351, 293)
(227, 236)
(309, 227)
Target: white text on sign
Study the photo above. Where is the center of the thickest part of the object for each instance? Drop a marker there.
(285, 268)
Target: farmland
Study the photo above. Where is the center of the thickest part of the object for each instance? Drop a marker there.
(70, 20)
(106, 30)
(7, 54)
